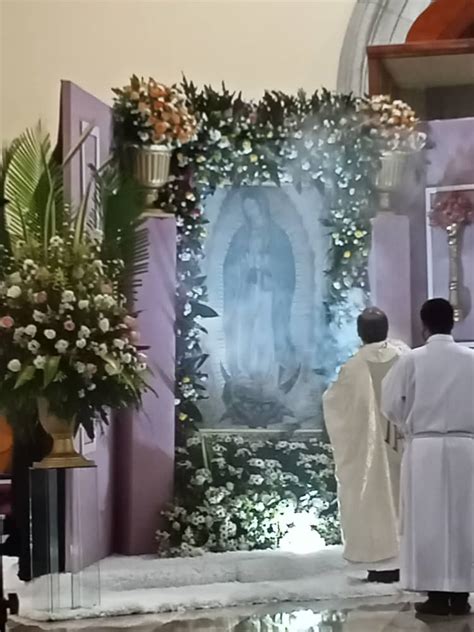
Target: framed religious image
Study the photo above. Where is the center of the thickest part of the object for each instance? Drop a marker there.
(450, 252)
(265, 266)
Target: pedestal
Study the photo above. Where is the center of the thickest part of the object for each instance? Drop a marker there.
(390, 272)
(63, 580)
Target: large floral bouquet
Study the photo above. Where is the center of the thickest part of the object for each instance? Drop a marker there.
(148, 112)
(235, 493)
(394, 123)
(65, 333)
(452, 210)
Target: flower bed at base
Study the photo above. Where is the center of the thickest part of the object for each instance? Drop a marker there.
(243, 493)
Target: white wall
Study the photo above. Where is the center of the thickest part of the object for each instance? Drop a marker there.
(250, 44)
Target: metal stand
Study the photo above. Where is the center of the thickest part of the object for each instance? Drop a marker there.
(65, 530)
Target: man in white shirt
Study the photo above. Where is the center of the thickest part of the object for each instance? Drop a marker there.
(429, 394)
(367, 452)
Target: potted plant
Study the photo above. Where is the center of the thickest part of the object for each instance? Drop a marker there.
(68, 347)
(396, 126)
(151, 119)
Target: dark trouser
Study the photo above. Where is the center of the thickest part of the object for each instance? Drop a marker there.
(446, 597)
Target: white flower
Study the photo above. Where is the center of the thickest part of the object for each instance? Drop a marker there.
(15, 277)
(92, 387)
(193, 441)
(28, 263)
(104, 325)
(14, 291)
(68, 296)
(83, 304)
(80, 367)
(119, 344)
(61, 346)
(50, 334)
(55, 241)
(38, 316)
(91, 368)
(34, 346)
(141, 367)
(81, 343)
(84, 332)
(81, 394)
(40, 362)
(256, 479)
(30, 330)
(14, 366)
(126, 358)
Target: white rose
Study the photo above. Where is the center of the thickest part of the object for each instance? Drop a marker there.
(80, 367)
(83, 304)
(38, 316)
(61, 346)
(81, 343)
(84, 332)
(127, 358)
(39, 362)
(14, 366)
(91, 368)
(30, 330)
(18, 333)
(119, 344)
(68, 296)
(50, 334)
(15, 277)
(14, 291)
(141, 367)
(33, 346)
(104, 325)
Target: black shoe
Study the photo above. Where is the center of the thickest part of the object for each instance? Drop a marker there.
(460, 606)
(436, 607)
(384, 577)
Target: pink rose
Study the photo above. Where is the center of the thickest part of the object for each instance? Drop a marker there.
(69, 325)
(130, 322)
(6, 322)
(41, 297)
(135, 337)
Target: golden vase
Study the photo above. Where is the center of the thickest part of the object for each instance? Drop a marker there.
(454, 238)
(150, 168)
(63, 453)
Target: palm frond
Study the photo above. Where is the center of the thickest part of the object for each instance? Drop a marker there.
(25, 184)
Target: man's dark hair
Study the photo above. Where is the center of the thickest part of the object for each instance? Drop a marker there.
(437, 315)
(372, 325)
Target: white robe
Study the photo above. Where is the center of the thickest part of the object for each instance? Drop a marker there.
(367, 465)
(430, 395)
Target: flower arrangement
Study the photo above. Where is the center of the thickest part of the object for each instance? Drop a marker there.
(452, 210)
(394, 123)
(65, 332)
(150, 113)
(242, 494)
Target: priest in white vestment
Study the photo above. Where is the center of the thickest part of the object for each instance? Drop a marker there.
(367, 452)
(429, 394)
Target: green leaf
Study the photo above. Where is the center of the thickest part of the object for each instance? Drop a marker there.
(111, 361)
(50, 369)
(25, 376)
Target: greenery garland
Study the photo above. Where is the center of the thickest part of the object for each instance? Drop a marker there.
(324, 140)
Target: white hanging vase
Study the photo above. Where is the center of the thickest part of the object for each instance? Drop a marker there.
(150, 168)
(389, 179)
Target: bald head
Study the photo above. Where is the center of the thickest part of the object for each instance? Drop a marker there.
(372, 325)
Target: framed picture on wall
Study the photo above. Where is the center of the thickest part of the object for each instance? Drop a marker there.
(449, 212)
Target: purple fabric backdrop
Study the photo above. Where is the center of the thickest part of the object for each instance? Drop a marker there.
(145, 440)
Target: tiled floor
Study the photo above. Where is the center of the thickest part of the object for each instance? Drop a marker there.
(350, 617)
